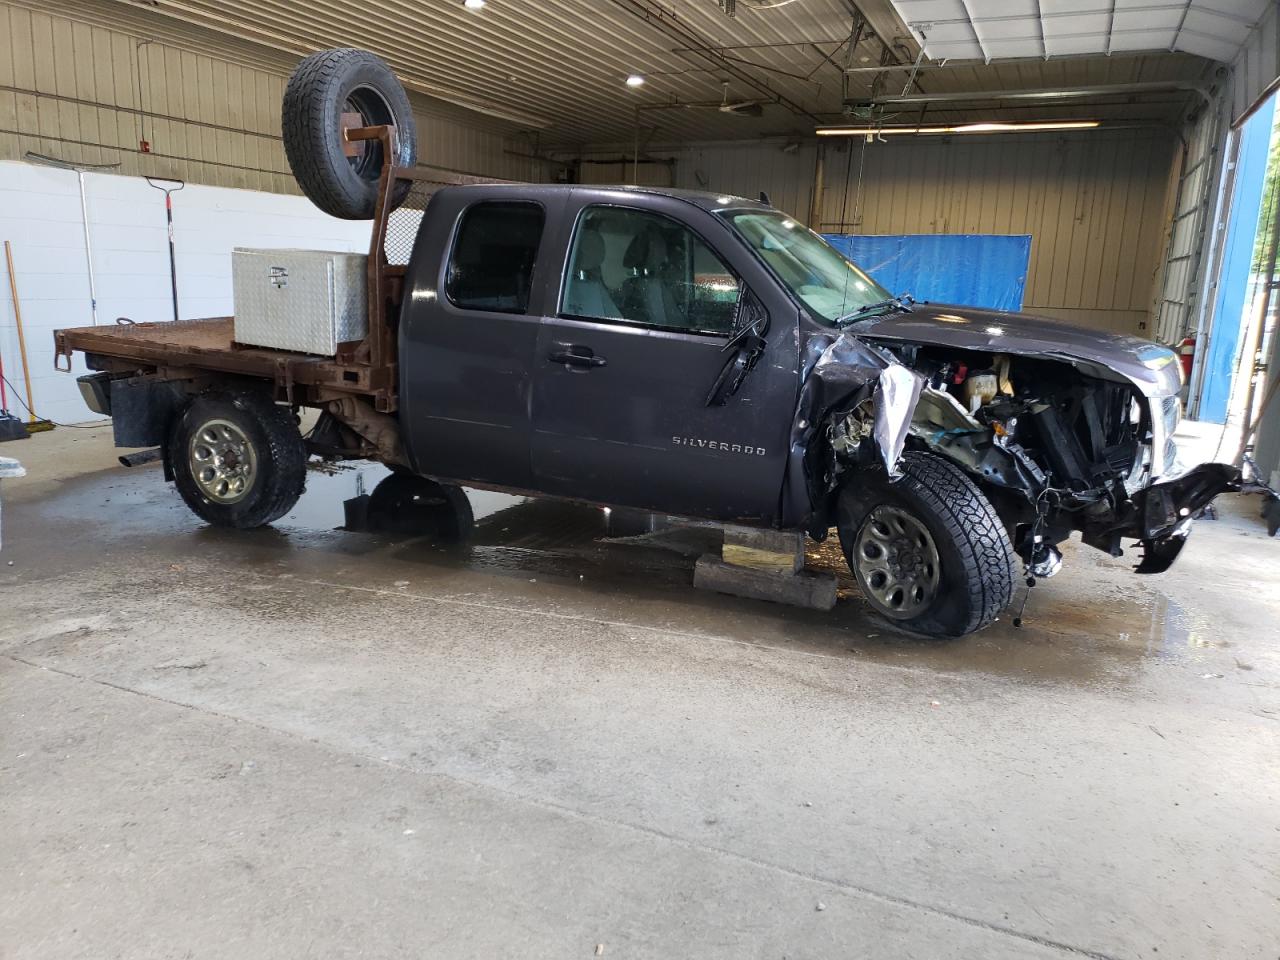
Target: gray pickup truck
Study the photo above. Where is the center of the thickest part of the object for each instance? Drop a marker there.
(690, 353)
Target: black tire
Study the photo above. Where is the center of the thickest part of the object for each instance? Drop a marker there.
(269, 433)
(976, 559)
(405, 503)
(321, 89)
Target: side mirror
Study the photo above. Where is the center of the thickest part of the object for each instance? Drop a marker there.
(744, 348)
(735, 370)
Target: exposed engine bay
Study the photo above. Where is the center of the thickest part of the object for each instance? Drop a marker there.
(1057, 446)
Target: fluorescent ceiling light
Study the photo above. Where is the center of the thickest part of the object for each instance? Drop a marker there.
(635, 80)
(473, 4)
(963, 128)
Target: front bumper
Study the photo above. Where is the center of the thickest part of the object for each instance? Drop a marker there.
(1160, 516)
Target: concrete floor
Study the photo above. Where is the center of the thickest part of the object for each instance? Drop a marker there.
(307, 742)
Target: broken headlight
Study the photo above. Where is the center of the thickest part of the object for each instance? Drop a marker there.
(1166, 414)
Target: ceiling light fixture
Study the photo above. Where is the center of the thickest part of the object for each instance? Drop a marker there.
(963, 128)
(635, 80)
(473, 4)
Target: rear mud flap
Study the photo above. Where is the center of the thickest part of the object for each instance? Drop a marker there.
(1163, 512)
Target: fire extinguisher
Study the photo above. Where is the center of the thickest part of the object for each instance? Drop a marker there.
(1186, 351)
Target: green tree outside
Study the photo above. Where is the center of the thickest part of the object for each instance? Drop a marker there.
(1270, 198)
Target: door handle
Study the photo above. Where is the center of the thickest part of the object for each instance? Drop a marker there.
(575, 355)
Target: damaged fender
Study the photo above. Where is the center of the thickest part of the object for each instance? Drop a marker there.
(845, 373)
(1161, 515)
(860, 406)
(864, 403)
(849, 372)
(894, 399)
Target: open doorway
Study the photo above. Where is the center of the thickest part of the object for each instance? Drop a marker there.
(1253, 386)
(1226, 387)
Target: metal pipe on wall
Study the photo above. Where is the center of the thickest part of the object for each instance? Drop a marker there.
(1047, 93)
(819, 174)
(79, 169)
(88, 248)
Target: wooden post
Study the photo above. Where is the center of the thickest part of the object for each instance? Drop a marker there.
(22, 341)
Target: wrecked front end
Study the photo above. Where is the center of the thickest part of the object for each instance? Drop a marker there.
(1059, 441)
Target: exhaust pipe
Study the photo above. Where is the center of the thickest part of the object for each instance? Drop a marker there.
(141, 457)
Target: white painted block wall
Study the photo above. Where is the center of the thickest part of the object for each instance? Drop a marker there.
(40, 215)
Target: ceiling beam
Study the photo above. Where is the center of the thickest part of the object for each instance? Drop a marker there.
(1054, 93)
(881, 17)
(1182, 22)
(973, 25)
(1094, 11)
(1088, 35)
(667, 22)
(956, 63)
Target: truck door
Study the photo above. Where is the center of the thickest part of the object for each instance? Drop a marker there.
(468, 332)
(627, 355)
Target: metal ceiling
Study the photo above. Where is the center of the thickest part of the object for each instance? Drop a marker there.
(997, 29)
(557, 68)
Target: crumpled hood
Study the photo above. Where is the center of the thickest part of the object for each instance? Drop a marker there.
(1150, 367)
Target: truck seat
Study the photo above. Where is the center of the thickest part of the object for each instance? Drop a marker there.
(587, 295)
(646, 294)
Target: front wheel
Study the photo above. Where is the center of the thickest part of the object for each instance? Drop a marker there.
(928, 549)
(237, 459)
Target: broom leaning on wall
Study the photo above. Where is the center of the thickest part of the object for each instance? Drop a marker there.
(8, 430)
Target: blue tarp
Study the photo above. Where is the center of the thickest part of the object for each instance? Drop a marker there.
(978, 270)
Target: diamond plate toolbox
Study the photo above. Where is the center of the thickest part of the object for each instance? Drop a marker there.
(308, 301)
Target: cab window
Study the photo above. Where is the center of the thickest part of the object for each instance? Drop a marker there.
(631, 266)
(491, 267)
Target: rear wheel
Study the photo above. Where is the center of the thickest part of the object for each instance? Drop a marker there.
(237, 459)
(928, 549)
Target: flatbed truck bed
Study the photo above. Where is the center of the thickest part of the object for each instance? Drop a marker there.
(186, 348)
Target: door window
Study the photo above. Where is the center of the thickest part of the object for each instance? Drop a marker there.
(493, 257)
(631, 266)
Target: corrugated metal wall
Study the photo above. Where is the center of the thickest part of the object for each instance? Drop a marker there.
(1258, 65)
(1188, 256)
(1094, 204)
(88, 94)
(781, 168)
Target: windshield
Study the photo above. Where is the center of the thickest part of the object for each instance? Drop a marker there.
(828, 284)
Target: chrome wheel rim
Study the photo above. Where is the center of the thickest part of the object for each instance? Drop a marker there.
(374, 111)
(222, 461)
(896, 563)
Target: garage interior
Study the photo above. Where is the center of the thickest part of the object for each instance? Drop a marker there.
(544, 741)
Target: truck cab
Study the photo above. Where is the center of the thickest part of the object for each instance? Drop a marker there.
(564, 340)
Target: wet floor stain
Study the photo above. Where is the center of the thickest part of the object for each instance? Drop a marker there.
(1083, 627)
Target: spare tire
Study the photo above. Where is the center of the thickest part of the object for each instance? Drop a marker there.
(325, 86)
